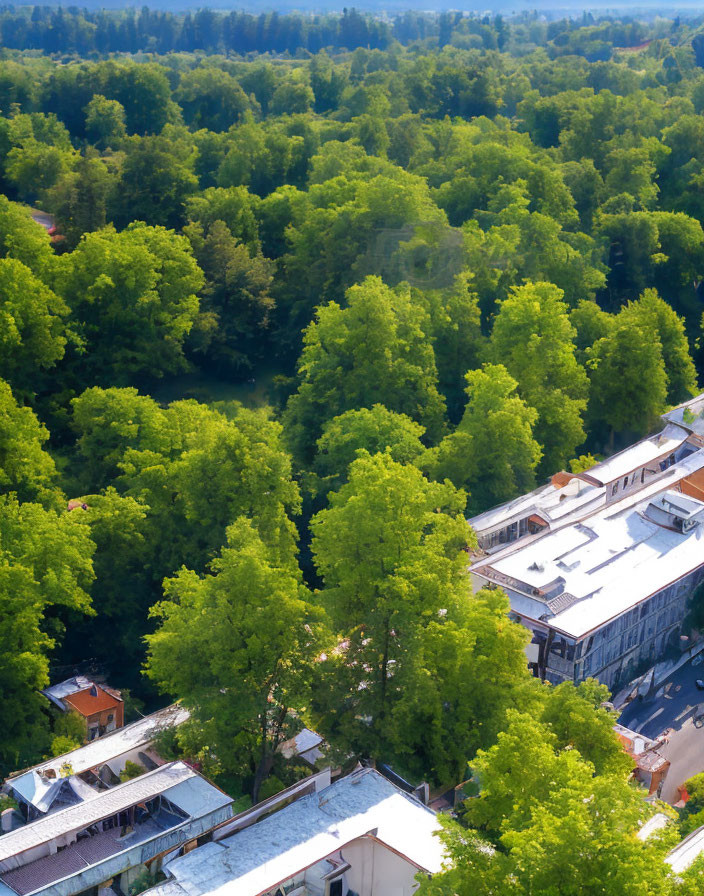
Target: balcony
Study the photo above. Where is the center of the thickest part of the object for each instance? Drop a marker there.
(87, 851)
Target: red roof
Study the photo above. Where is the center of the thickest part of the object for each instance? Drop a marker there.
(87, 705)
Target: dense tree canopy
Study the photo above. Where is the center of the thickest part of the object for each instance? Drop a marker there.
(283, 300)
(372, 350)
(534, 339)
(548, 823)
(242, 672)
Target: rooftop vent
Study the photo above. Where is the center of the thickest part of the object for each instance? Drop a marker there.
(676, 511)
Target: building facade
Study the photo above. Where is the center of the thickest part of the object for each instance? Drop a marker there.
(101, 837)
(358, 836)
(100, 706)
(601, 565)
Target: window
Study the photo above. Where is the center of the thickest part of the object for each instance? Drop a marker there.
(642, 475)
(111, 718)
(614, 488)
(625, 482)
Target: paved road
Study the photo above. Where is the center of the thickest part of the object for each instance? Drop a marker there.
(673, 706)
(675, 702)
(685, 750)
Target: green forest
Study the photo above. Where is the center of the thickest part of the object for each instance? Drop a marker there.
(308, 293)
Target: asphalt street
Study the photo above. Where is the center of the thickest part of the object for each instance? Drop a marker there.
(675, 705)
(674, 702)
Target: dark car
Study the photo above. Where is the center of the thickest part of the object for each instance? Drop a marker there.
(700, 684)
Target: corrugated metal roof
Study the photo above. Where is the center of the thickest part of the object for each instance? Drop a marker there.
(62, 689)
(80, 855)
(196, 796)
(275, 849)
(42, 792)
(44, 871)
(110, 802)
(112, 745)
(687, 851)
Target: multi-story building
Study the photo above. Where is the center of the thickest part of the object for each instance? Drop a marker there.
(600, 565)
(107, 837)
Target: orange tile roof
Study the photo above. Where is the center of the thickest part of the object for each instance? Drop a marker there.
(86, 705)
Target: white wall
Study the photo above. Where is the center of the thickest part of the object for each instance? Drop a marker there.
(377, 871)
(119, 762)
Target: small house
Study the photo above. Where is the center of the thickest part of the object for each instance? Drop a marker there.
(101, 706)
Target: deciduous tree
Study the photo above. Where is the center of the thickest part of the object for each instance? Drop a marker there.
(374, 350)
(492, 453)
(243, 672)
(534, 339)
(390, 551)
(45, 566)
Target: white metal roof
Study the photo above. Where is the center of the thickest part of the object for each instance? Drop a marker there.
(655, 823)
(305, 832)
(609, 562)
(196, 796)
(57, 692)
(101, 750)
(695, 406)
(103, 805)
(639, 455)
(557, 505)
(42, 792)
(682, 856)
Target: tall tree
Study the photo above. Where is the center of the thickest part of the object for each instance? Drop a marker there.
(24, 239)
(653, 314)
(33, 326)
(374, 350)
(390, 550)
(167, 460)
(459, 676)
(534, 339)
(105, 122)
(628, 377)
(492, 453)
(548, 824)
(111, 421)
(374, 430)
(45, 567)
(79, 200)
(122, 592)
(133, 298)
(242, 673)
(154, 185)
(211, 98)
(236, 299)
(457, 338)
(26, 468)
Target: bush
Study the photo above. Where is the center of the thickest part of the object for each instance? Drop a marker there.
(131, 770)
(6, 802)
(271, 787)
(61, 744)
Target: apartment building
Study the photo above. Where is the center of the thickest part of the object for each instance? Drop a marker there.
(601, 565)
